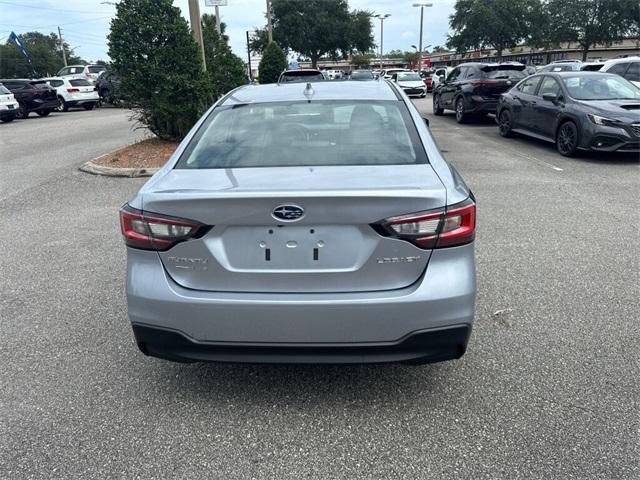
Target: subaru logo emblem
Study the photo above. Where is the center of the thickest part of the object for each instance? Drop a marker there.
(288, 213)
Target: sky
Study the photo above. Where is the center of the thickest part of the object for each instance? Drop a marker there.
(85, 23)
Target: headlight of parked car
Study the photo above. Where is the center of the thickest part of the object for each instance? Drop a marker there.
(598, 120)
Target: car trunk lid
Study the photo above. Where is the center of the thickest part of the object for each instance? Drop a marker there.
(331, 248)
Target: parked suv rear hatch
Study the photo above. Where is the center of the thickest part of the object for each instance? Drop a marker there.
(331, 248)
(498, 78)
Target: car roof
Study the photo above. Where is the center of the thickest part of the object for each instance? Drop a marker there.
(614, 61)
(273, 92)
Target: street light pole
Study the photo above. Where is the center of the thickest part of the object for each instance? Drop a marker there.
(421, 5)
(382, 18)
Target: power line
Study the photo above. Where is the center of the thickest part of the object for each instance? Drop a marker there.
(87, 20)
(49, 8)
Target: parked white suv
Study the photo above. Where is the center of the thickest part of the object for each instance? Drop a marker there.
(90, 72)
(74, 92)
(8, 105)
(628, 68)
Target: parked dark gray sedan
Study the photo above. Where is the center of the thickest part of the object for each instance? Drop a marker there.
(297, 223)
(576, 110)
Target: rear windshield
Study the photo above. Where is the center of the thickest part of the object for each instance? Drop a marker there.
(305, 134)
(3, 90)
(96, 68)
(304, 77)
(80, 82)
(510, 72)
(39, 84)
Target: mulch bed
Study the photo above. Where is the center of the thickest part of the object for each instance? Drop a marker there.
(150, 153)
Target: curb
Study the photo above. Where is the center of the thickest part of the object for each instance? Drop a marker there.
(95, 169)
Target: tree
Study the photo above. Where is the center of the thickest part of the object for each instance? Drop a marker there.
(44, 51)
(259, 40)
(497, 24)
(439, 49)
(591, 22)
(272, 64)
(411, 58)
(224, 67)
(160, 67)
(361, 61)
(317, 28)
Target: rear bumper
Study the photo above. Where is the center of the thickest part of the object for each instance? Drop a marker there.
(477, 104)
(76, 103)
(443, 297)
(426, 346)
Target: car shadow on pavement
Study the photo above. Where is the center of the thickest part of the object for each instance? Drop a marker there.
(303, 384)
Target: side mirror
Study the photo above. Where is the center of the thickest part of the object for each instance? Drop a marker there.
(550, 97)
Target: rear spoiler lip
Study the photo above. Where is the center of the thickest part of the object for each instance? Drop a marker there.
(498, 66)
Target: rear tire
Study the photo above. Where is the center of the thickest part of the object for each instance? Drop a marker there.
(437, 108)
(22, 111)
(461, 116)
(88, 106)
(505, 124)
(43, 113)
(62, 105)
(567, 139)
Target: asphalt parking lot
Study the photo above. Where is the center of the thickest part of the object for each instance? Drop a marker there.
(548, 388)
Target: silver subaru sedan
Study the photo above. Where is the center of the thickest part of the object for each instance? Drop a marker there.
(299, 223)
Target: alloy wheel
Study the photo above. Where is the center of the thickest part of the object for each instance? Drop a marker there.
(504, 123)
(567, 139)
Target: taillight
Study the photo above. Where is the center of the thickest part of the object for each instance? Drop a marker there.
(73, 90)
(151, 231)
(434, 229)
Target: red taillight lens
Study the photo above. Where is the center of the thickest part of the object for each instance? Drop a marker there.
(459, 226)
(73, 90)
(151, 231)
(436, 229)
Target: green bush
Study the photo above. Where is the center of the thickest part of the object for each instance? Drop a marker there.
(225, 69)
(272, 64)
(159, 63)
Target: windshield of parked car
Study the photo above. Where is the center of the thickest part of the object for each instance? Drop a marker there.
(312, 133)
(600, 87)
(409, 77)
(4, 91)
(366, 75)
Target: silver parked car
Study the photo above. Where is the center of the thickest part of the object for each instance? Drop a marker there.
(298, 223)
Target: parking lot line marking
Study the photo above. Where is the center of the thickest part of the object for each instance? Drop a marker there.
(557, 169)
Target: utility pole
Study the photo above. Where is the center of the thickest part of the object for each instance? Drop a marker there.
(218, 20)
(64, 54)
(269, 28)
(196, 26)
(421, 5)
(382, 18)
(249, 57)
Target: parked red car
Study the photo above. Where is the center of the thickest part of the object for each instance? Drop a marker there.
(428, 81)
